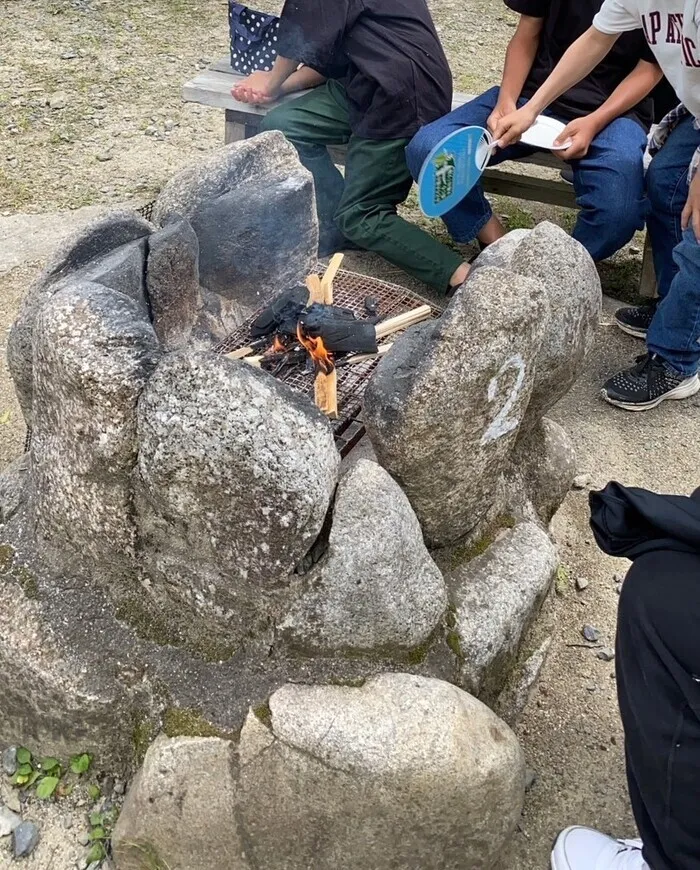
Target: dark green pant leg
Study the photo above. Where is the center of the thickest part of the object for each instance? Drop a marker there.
(377, 180)
(312, 122)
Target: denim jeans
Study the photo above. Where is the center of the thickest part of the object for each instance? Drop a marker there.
(675, 330)
(609, 181)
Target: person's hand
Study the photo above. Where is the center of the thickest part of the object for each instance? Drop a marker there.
(257, 88)
(511, 127)
(580, 133)
(503, 108)
(690, 216)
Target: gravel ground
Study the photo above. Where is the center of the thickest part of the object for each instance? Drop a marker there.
(90, 114)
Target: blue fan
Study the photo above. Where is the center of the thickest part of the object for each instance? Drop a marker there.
(452, 169)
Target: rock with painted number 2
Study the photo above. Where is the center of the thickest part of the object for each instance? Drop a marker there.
(444, 408)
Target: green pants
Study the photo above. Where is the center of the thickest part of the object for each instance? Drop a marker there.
(362, 206)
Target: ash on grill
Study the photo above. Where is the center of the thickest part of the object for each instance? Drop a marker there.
(326, 337)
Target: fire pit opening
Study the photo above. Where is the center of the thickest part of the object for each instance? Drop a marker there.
(285, 338)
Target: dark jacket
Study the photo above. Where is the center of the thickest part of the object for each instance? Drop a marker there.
(630, 522)
(386, 53)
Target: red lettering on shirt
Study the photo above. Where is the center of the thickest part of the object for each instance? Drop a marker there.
(689, 53)
(652, 27)
(652, 24)
(674, 32)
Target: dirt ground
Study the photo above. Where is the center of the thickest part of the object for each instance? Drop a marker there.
(90, 114)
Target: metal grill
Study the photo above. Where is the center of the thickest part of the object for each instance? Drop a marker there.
(349, 291)
(146, 211)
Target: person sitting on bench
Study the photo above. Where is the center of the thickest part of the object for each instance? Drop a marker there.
(608, 115)
(378, 72)
(669, 368)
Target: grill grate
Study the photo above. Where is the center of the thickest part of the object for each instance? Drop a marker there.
(350, 290)
(146, 211)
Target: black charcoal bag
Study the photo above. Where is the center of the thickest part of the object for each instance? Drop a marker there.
(253, 38)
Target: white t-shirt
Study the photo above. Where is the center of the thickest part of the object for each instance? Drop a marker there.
(672, 30)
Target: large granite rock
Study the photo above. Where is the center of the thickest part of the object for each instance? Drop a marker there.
(252, 207)
(235, 477)
(568, 274)
(444, 407)
(496, 597)
(92, 250)
(543, 466)
(500, 253)
(377, 587)
(404, 772)
(254, 242)
(180, 810)
(521, 684)
(93, 353)
(173, 283)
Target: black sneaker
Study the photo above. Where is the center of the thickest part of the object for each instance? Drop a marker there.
(637, 320)
(647, 384)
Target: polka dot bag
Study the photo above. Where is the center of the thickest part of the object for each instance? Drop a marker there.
(253, 39)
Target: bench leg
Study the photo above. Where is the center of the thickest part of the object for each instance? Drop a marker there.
(234, 131)
(647, 283)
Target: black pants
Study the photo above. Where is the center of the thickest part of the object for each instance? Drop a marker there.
(658, 673)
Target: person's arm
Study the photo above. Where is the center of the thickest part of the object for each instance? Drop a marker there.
(520, 55)
(632, 90)
(581, 58)
(303, 79)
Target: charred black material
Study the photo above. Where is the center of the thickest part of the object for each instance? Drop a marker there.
(281, 315)
(339, 329)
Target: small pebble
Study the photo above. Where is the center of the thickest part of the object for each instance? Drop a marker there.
(68, 55)
(84, 839)
(581, 583)
(591, 633)
(25, 839)
(633, 249)
(9, 821)
(607, 654)
(169, 124)
(67, 822)
(581, 481)
(59, 100)
(150, 131)
(119, 787)
(104, 156)
(530, 779)
(9, 761)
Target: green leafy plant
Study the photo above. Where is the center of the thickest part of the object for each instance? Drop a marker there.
(101, 824)
(80, 764)
(47, 773)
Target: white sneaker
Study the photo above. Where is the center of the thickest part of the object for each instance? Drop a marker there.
(585, 849)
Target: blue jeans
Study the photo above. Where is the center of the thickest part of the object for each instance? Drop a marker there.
(608, 181)
(675, 330)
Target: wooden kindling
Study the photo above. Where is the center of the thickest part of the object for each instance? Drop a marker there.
(325, 386)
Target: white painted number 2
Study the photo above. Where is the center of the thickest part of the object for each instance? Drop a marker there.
(501, 424)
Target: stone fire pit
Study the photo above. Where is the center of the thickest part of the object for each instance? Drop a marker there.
(181, 552)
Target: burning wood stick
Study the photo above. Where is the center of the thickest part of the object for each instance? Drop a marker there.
(384, 329)
(326, 386)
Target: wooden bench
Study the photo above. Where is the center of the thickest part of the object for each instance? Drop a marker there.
(212, 87)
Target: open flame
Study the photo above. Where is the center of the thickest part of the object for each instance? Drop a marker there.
(277, 346)
(316, 349)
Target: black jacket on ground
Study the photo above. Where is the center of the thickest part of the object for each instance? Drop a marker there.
(386, 52)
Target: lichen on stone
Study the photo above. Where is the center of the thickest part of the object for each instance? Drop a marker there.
(186, 722)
